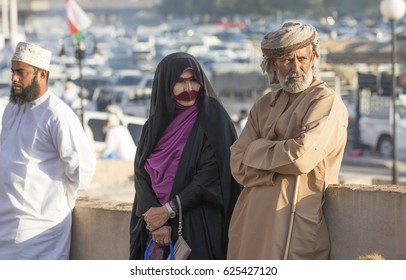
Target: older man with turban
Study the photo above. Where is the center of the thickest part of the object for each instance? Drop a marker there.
(288, 153)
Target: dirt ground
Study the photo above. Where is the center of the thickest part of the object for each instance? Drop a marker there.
(113, 180)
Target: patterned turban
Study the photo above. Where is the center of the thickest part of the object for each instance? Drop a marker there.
(290, 37)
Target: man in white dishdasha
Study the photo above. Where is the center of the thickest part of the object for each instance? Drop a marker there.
(45, 161)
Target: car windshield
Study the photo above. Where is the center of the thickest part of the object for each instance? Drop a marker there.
(402, 111)
(128, 80)
(104, 99)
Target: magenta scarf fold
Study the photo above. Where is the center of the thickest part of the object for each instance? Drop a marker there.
(163, 162)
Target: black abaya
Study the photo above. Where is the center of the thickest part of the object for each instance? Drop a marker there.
(203, 180)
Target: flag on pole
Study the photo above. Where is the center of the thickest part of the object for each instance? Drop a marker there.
(77, 19)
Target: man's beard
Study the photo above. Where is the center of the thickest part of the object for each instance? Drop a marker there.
(28, 94)
(295, 87)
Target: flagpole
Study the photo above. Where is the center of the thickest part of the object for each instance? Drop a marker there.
(78, 22)
(79, 56)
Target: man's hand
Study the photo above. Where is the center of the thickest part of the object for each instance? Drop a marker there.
(299, 137)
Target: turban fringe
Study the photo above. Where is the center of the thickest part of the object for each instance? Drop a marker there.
(278, 52)
(290, 37)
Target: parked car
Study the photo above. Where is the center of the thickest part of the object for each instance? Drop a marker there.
(125, 97)
(91, 82)
(376, 127)
(93, 122)
(132, 93)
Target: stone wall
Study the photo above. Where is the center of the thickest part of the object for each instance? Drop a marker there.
(362, 219)
(100, 230)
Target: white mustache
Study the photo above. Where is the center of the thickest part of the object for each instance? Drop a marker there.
(294, 75)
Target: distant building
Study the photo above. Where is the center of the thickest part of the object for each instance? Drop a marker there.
(126, 8)
(49, 5)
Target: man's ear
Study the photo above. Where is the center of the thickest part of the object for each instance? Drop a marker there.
(43, 73)
(313, 55)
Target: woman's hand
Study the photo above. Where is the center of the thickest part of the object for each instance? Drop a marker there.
(156, 217)
(162, 235)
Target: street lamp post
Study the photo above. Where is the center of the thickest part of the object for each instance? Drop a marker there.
(393, 10)
(79, 53)
(79, 50)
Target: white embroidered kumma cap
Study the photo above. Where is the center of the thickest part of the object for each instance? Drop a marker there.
(32, 54)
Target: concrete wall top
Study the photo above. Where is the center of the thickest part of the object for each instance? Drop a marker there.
(362, 219)
(366, 219)
(101, 230)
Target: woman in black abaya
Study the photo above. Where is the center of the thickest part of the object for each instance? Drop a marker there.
(184, 150)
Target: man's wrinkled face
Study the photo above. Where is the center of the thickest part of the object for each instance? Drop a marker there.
(295, 70)
(25, 86)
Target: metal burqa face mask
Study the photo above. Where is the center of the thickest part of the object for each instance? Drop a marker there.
(186, 95)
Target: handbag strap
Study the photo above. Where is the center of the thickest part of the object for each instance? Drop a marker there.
(171, 250)
(180, 216)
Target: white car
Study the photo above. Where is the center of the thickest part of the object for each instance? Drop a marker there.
(132, 93)
(93, 123)
(376, 131)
